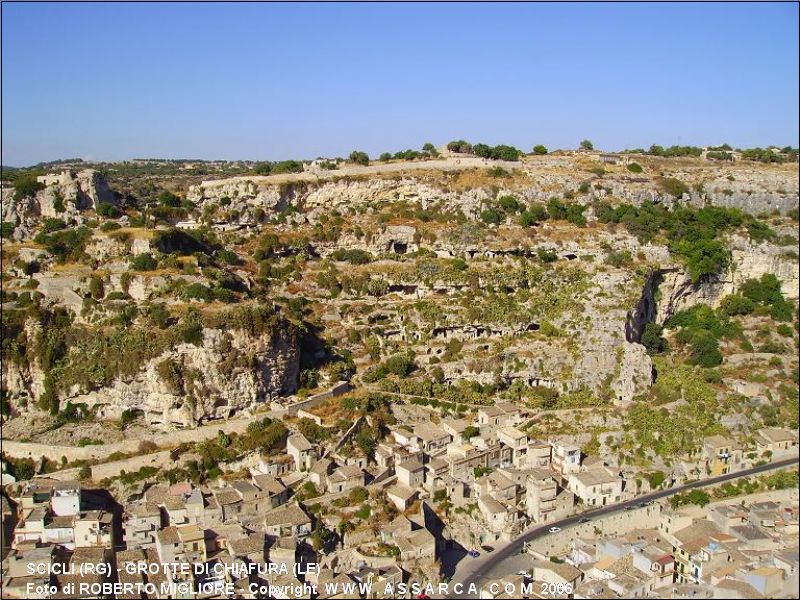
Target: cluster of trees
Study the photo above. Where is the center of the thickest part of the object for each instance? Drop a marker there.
(277, 168)
(554, 209)
(771, 154)
(265, 436)
(26, 185)
(501, 152)
(698, 497)
(360, 158)
(674, 151)
(700, 329)
(461, 146)
(355, 256)
(496, 212)
(762, 294)
(64, 244)
(428, 151)
(692, 234)
(398, 364)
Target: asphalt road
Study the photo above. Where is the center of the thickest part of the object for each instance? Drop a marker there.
(480, 570)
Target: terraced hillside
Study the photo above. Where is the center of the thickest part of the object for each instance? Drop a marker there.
(664, 294)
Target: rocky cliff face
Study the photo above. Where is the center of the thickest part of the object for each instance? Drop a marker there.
(754, 189)
(678, 292)
(229, 372)
(65, 196)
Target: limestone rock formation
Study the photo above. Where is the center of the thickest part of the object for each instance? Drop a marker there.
(229, 372)
(65, 196)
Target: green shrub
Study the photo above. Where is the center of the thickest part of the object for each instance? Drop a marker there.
(69, 244)
(653, 340)
(764, 291)
(7, 230)
(460, 146)
(704, 349)
(492, 216)
(359, 158)
(510, 204)
(287, 166)
(497, 172)
(143, 262)
(26, 186)
(354, 256)
(51, 224)
(104, 209)
(110, 226)
(737, 304)
(535, 214)
(760, 231)
(655, 479)
(635, 167)
(619, 258)
(673, 187)
(546, 255)
(399, 364)
(96, 288)
(539, 149)
(197, 291)
(703, 257)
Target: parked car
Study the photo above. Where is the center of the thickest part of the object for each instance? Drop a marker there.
(554, 529)
(584, 520)
(487, 548)
(474, 553)
(523, 573)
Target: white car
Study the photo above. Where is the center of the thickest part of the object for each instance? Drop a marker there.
(523, 573)
(554, 529)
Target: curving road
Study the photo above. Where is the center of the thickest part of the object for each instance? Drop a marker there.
(483, 569)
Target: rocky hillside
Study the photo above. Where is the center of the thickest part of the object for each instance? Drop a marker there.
(558, 281)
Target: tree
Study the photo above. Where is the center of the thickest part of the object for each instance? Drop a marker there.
(386, 156)
(104, 209)
(504, 152)
(704, 349)
(287, 166)
(96, 288)
(460, 146)
(26, 185)
(430, 149)
(469, 432)
(586, 145)
(539, 149)
(144, 262)
(262, 168)
(7, 229)
(736, 304)
(359, 158)
(482, 150)
(655, 479)
(653, 340)
(491, 216)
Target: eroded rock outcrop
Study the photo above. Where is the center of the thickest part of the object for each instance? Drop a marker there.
(228, 372)
(65, 196)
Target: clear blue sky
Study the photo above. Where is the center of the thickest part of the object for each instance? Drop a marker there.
(108, 82)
